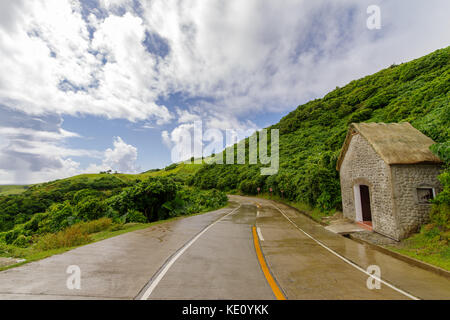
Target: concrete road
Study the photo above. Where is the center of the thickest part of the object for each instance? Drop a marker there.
(216, 256)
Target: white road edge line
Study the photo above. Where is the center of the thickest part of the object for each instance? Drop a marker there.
(258, 230)
(174, 258)
(346, 260)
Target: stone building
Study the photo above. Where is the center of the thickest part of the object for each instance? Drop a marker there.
(388, 175)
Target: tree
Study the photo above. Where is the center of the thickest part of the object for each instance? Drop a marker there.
(147, 197)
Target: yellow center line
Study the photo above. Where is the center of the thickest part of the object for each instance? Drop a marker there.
(270, 280)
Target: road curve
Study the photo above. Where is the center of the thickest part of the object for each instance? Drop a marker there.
(215, 256)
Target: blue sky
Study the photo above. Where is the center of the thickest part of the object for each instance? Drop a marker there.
(97, 132)
(93, 85)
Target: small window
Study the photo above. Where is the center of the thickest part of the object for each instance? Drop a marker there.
(424, 195)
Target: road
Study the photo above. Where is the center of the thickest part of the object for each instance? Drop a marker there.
(254, 249)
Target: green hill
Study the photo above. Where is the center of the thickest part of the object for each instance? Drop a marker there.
(6, 190)
(312, 135)
(23, 204)
(181, 171)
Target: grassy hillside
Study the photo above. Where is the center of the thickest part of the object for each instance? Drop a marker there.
(180, 171)
(312, 135)
(10, 189)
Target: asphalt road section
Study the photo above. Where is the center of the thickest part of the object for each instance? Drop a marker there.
(310, 262)
(116, 268)
(254, 249)
(221, 264)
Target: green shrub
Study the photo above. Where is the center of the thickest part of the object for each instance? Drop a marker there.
(442, 150)
(147, 197)
(84, 193)
(22, 241)
(90, 208)
(11, 236)
(113, 214)
(171, 167)
(135, 216)
(360, 116)
(172, 208)
(196, 200)
(60, 216)
(440, 211)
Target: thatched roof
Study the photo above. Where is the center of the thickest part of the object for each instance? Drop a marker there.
(396, 143)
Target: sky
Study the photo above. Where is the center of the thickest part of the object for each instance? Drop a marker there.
(93, 85)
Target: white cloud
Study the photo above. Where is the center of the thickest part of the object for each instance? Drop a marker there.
(166, 138)
(121, 158)
(113, 4)
(185, 116)
(191, 138)
(67, 168)
(42, 135)
(255, 56)
(34, 150)
(51, 64)
(180, 142)
(245, 57)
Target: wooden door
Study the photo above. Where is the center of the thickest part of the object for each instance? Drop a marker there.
(365, 203)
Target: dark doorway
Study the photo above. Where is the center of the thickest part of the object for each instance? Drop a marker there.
(365, 203)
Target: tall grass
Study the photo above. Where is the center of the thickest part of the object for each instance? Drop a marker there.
(70, 237)
(95, 226)
(73, 236)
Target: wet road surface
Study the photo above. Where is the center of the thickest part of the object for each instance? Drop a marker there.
(214, 256)
(335, 269)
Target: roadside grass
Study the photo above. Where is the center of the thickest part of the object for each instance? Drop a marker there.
(431, 245)
(76, 236)
(314, 213)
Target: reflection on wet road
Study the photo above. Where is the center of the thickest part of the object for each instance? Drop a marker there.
(253, 249)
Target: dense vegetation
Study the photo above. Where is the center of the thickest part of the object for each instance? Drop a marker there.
(65, 212)
(311, 137)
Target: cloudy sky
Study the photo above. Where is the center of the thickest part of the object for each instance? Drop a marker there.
(91, 85)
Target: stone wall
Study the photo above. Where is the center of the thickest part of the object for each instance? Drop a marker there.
(362, 165)
(406, 179)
